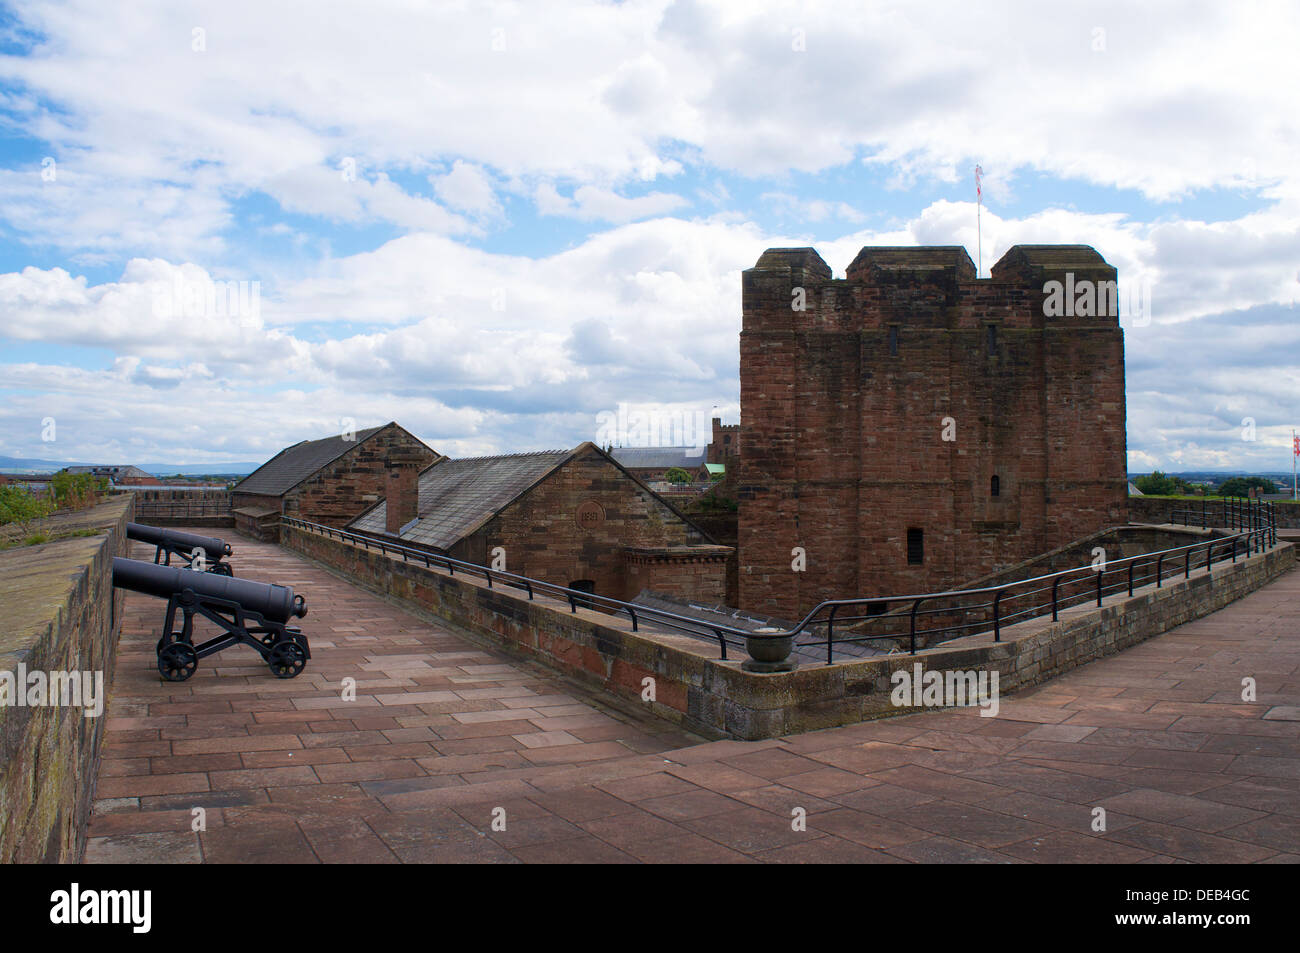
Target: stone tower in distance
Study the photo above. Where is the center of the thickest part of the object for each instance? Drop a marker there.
(914, 427)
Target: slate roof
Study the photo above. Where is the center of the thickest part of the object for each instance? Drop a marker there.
(115, 472)
(456, 497)
(659, 458)
(294, 464)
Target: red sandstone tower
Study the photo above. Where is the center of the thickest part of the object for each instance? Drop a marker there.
(914, 427)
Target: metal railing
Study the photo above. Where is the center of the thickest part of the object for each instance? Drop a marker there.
(182, 509)
(975, 610)
(1230, 512)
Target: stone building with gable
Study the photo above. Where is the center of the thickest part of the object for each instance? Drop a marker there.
(575, 518)
(330, 481)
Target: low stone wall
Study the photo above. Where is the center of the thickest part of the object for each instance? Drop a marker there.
(58, 613)
(1159, 509)
(684, 572)
(198, 506)
(715, 697)
(258, 523)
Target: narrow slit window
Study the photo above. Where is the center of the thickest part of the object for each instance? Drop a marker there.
(893, 340)
(995, 486)
(915, 547)
(993, 340)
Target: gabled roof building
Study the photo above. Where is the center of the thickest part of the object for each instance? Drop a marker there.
(571, 517)
(328, 481)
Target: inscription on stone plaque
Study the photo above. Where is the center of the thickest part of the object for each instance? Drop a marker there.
(590, 514)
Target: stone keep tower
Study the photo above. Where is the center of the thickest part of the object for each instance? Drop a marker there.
(914, 427)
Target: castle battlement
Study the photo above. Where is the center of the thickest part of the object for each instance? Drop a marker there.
(911, 426)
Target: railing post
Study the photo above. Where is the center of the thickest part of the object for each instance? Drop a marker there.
(1160, 570)
(630, 610)
(1209, 550)
(915, 604)
(1130, 577)
(1056, 582)
(1187, 564)
(722, 644)
(1234, 549)
(830, 629)
(1100, 573)
(997, 622)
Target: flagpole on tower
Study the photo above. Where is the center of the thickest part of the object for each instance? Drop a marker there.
(1295, 452)
(979, 231)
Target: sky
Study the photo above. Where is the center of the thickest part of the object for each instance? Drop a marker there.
(227, 227)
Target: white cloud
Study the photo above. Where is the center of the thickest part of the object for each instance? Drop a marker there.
(466, 188)
(498, 352)
(592, 203)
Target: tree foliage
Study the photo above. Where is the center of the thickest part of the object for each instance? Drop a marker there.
(1241, 486)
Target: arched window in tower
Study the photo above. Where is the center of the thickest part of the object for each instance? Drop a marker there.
(995, 486)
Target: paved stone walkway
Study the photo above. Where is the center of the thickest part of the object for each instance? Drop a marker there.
(443, 734)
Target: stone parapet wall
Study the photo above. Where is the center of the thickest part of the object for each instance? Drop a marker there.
(58, 613)
(715, 697)
(1160, 509)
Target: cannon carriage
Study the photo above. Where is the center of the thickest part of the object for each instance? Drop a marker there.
(251, 613)
(199, 552)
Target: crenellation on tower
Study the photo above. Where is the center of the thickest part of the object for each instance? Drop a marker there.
(913, 426)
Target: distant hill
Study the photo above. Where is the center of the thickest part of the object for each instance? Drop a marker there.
(32, 465)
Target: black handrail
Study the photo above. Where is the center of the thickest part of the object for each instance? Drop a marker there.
(1261, 538)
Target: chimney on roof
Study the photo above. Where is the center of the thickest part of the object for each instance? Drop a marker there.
(402, 497)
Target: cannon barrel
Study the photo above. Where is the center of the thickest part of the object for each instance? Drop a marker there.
(272, 602)
(212, 547)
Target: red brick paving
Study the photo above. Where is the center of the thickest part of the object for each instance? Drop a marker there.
(443, 733)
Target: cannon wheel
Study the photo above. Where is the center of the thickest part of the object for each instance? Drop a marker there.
(286, 659)
(222, 569)
(177, 661)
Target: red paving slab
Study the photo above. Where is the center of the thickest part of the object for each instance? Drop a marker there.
(454, 753)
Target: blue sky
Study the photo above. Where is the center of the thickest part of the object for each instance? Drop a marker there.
(495, 222)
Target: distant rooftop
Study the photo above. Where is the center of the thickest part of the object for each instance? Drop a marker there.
(659, 458)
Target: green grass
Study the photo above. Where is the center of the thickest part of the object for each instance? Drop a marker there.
(36, 539)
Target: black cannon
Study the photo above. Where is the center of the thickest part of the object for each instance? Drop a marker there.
(188, 546)
(252, 613)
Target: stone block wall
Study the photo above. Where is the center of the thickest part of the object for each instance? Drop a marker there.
(575, 524)
(846, 405)
(1160, 509)
(689, 572)
(201, 507)
(341, 491)
(717, 698)
(61, 614)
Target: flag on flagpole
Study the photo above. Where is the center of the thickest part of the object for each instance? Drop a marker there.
(979, 192)
(1296, 442)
